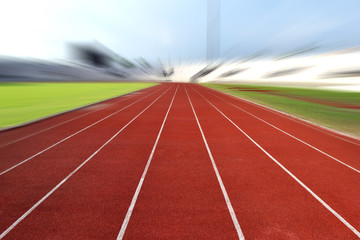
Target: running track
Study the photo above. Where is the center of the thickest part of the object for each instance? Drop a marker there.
(178, 161)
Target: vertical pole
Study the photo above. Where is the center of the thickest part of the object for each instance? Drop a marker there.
(213, 30)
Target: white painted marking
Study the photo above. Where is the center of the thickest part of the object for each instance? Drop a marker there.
(70, 136)
(134, 199)
(293, 118)
(337, 215)
(73, 172)
(307, 144)
(227, 199)
(72, 119)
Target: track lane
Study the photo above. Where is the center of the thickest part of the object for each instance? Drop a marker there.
(333, 182)
(325, 138)
(347, 157)
(267, 201)
(180, 197)
(24, 186)
(141, 181)
(292, 136)
(336, 184)
(93, 202)
(12, 157)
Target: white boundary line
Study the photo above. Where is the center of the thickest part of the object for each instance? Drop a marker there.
(296, 119)
(136, 194)
(70, 136)
(307, 144)
(73, 172)
(227, 199)
(337, 215)
(69, 120)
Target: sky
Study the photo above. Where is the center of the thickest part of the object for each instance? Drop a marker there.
(175, 30)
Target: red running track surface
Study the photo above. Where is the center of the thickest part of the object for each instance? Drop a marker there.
(178, 161)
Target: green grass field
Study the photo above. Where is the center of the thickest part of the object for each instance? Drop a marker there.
(295, 102)
(24, 102)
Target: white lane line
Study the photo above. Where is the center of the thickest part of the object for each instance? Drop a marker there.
(290, 117)
(337, 215)
(70, 136)
(73, 172)
(134, 199)
(72, 119)
(307, 144)
(227, 199)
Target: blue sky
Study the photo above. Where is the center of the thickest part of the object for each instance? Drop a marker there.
(176, 29)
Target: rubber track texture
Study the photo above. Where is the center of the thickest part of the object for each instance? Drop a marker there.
(180, 197)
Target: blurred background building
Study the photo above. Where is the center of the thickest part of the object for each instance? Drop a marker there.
(257, 41)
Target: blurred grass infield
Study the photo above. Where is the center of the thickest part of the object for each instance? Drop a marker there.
(24, 102)
(323, 107)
